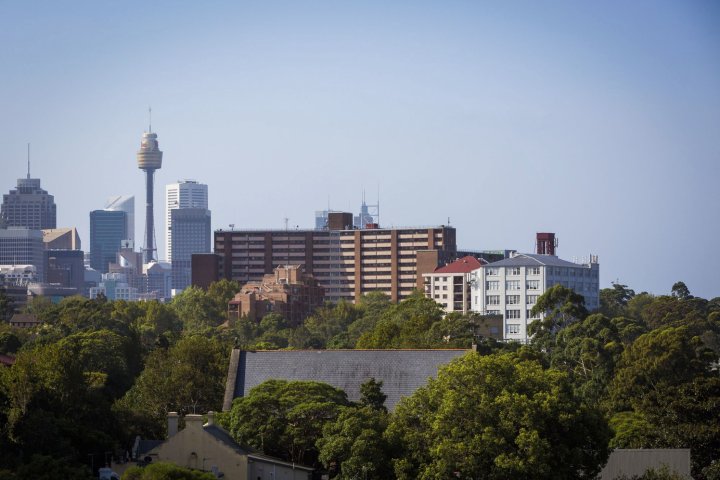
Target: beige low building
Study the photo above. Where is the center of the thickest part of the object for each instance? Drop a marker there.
(210, 448)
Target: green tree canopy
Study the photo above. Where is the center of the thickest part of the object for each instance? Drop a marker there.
(189, 377)
(354, 445)
(666, 394)
(496, 417)
(560, 306)
(371, 395)
(614, 300)
(405, 325)
(285, 419)
(59, 395)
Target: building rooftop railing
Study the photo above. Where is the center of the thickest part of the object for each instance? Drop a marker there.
(289, 230)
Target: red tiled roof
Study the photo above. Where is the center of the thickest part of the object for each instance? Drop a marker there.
(461, 265)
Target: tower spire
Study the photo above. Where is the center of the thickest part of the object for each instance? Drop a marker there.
(149, 119)
(28, 158)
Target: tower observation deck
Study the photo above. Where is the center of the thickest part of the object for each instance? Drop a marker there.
(149, 159)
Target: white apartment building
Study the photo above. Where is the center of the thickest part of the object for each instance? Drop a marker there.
(449, 285)
(183, 194)
(512, 286)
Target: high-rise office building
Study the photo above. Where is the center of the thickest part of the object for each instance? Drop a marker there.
(347, 262)
(28, 206)
(61, 239)
(183, 194)
(108, 228)
(190, 229)
(22, 246)
(65, 267)
(125, 203)
(149, 159)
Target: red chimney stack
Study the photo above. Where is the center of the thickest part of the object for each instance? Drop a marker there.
(546, 243)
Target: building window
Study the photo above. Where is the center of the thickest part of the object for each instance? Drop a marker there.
(512, 329)
(493, 312)
(512, 285)
(531, 299)
(513, 271)
(512, 300)
(444, 295)
(511, 314)
(492, 285)
(533, 271)
(530, 315)
(533, 284)
(493, 299)
(491, 271)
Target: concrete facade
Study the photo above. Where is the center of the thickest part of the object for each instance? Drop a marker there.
(209, 448)
(21, 246)
(181, 195)
(633, 462)
(450, 285)
(61, 239)
(347, 263)
(190, 233)
(512, 286)
(289, 292)
(28, 206)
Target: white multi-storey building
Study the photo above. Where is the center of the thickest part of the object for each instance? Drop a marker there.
(183, 194)
(450, 285)
(512, 286)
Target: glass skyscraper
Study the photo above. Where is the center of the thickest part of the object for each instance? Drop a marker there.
(28, 206)
(108, 228)
(190, 234)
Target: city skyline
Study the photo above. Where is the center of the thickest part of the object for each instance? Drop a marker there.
(591, 121)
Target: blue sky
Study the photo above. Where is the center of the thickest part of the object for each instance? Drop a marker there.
(596, 120)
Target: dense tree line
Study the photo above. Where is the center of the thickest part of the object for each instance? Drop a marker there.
(642, 371)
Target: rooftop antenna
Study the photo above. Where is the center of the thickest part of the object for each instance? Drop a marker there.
(28, 176)
(149, 119)
(378, 203)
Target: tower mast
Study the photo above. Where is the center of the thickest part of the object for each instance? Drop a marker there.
(149, 159)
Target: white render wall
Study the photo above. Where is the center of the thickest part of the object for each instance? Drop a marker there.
(441, 288)
(184, 194)
(493, 291)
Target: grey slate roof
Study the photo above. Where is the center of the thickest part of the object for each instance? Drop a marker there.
(224, 437)
(401, 371)
(532, 260)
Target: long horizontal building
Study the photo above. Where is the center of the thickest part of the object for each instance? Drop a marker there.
(347, 262)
